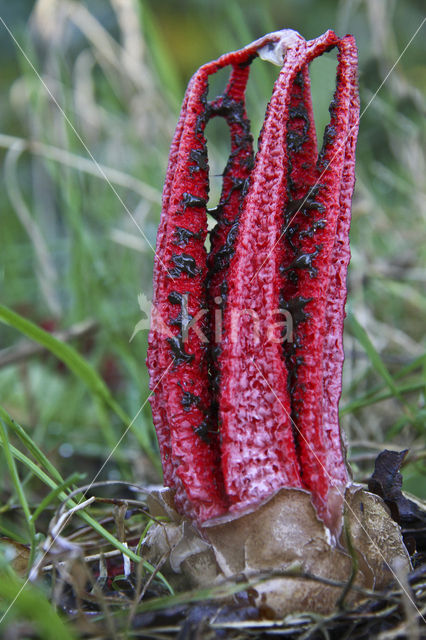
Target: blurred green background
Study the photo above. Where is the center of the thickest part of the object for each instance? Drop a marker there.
(107, 83)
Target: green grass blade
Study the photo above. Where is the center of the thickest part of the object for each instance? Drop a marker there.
(396, 428)
(9, 533)
(417, 363)
(30, 445)
(39, 473)
(78, 365)
(29, 603)
(375, 397)
(55, 493)
(376, 361)
(85, 516)
(64, 352)
(17, 484)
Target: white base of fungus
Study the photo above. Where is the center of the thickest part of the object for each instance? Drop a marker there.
(285, 537)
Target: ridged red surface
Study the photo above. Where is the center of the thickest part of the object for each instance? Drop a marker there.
(240, 411)
(181, 401)
(314, 268)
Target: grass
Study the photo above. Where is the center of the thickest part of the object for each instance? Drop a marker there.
(72, 383)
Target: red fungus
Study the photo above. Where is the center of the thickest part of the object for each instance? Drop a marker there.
(239, 411)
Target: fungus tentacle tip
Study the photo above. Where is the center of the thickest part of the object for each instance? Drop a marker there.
(280, 41)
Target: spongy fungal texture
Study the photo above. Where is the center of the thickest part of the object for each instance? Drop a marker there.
(283, 537)
(242, 411)
(246, 412)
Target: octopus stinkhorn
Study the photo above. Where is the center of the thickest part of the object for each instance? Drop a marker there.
(246, 380)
